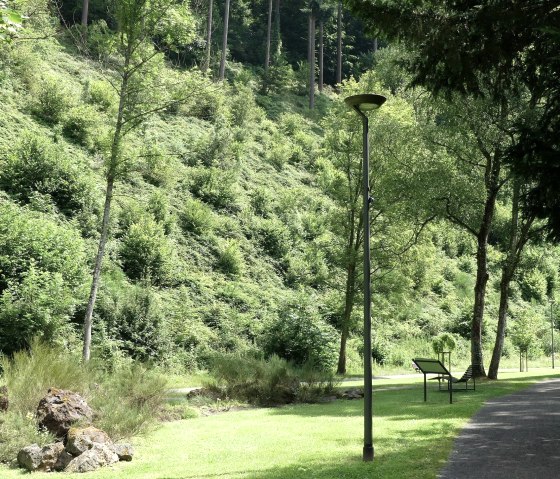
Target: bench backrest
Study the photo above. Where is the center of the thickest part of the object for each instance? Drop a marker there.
(431, 366)
(467, 375)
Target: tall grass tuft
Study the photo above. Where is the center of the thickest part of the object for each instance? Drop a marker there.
(127, 401)
(30, 373)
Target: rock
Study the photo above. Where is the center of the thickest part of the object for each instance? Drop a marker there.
(4, 403)
(124, 451)
(63, 461)
(35, 458)
(98, 456)
(355, 393)
(79, 440)
(59, 409)
(30, 457)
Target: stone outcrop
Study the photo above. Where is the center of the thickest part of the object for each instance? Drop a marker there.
(355, 393)
(81, 449)
(79, 440)
(124, 451)
(46, 458)
(60, 409)
(98, 456)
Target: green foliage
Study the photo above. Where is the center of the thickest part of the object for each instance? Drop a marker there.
(81, 124)
(135, 318)
(264, 382)
(444, 342)
(10, 23)
(145, 252)
(100, 94)
(17, 431)
(196, 217)
(128, 400)
(38, 166)
(30, 373)
(51, 99)
(41, 305)
(230, 258)
(301, 336)
(267, 382)
(216, 187)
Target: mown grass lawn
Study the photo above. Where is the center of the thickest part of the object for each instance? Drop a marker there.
(412, 439)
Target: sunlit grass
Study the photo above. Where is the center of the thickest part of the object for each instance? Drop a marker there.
(412, 439)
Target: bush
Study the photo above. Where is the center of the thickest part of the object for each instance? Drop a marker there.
(230, 259)
(264, 382)
(17, 431)
(216, 187)
(137, 322)
(80, 123)
(196, 217)
(41, 305)
(52, 99)
(301, 336)
(38, 165)
(145, 253)
(101, 94)
(128, 401)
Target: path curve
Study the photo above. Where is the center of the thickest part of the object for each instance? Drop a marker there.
(511, 437)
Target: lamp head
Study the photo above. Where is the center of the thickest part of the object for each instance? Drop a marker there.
(365, 102)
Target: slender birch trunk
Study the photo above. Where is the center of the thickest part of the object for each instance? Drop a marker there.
(224, 42)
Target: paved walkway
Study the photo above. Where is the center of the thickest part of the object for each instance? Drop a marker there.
(512, 437)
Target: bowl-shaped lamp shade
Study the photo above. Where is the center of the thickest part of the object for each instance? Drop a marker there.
(365, 102)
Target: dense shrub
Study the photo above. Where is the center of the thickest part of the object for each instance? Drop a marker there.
(196, 217)
(17, 431)
(80, 124)
(145, 252)
(38, 165)
(266, 382)
(300, 335)
(41, 305)
(230, 259)
(52, 98)
(135, 318)
(216, 187)
(126, 401)
(30, 373)
(101, 94)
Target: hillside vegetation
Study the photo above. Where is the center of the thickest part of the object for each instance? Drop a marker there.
(228, 233)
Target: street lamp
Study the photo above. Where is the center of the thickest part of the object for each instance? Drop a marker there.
(362, 104)
(552, 329)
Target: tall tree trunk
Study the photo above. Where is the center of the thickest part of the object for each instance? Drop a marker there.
(86, 351)
(208, 37)
(339, 45)
(268, 35)
(350, 293)
(85, 12)
(311, 60)
(519, 236)
(321, 49)
(277, 35)
(111, 173)
(493, 169)
(224, 42)
(375, 47)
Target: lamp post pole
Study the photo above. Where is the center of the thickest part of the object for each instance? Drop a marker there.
(362, 103)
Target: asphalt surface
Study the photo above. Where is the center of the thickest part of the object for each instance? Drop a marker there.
(512, 437)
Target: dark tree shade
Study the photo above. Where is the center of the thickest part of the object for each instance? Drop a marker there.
(488, 47)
